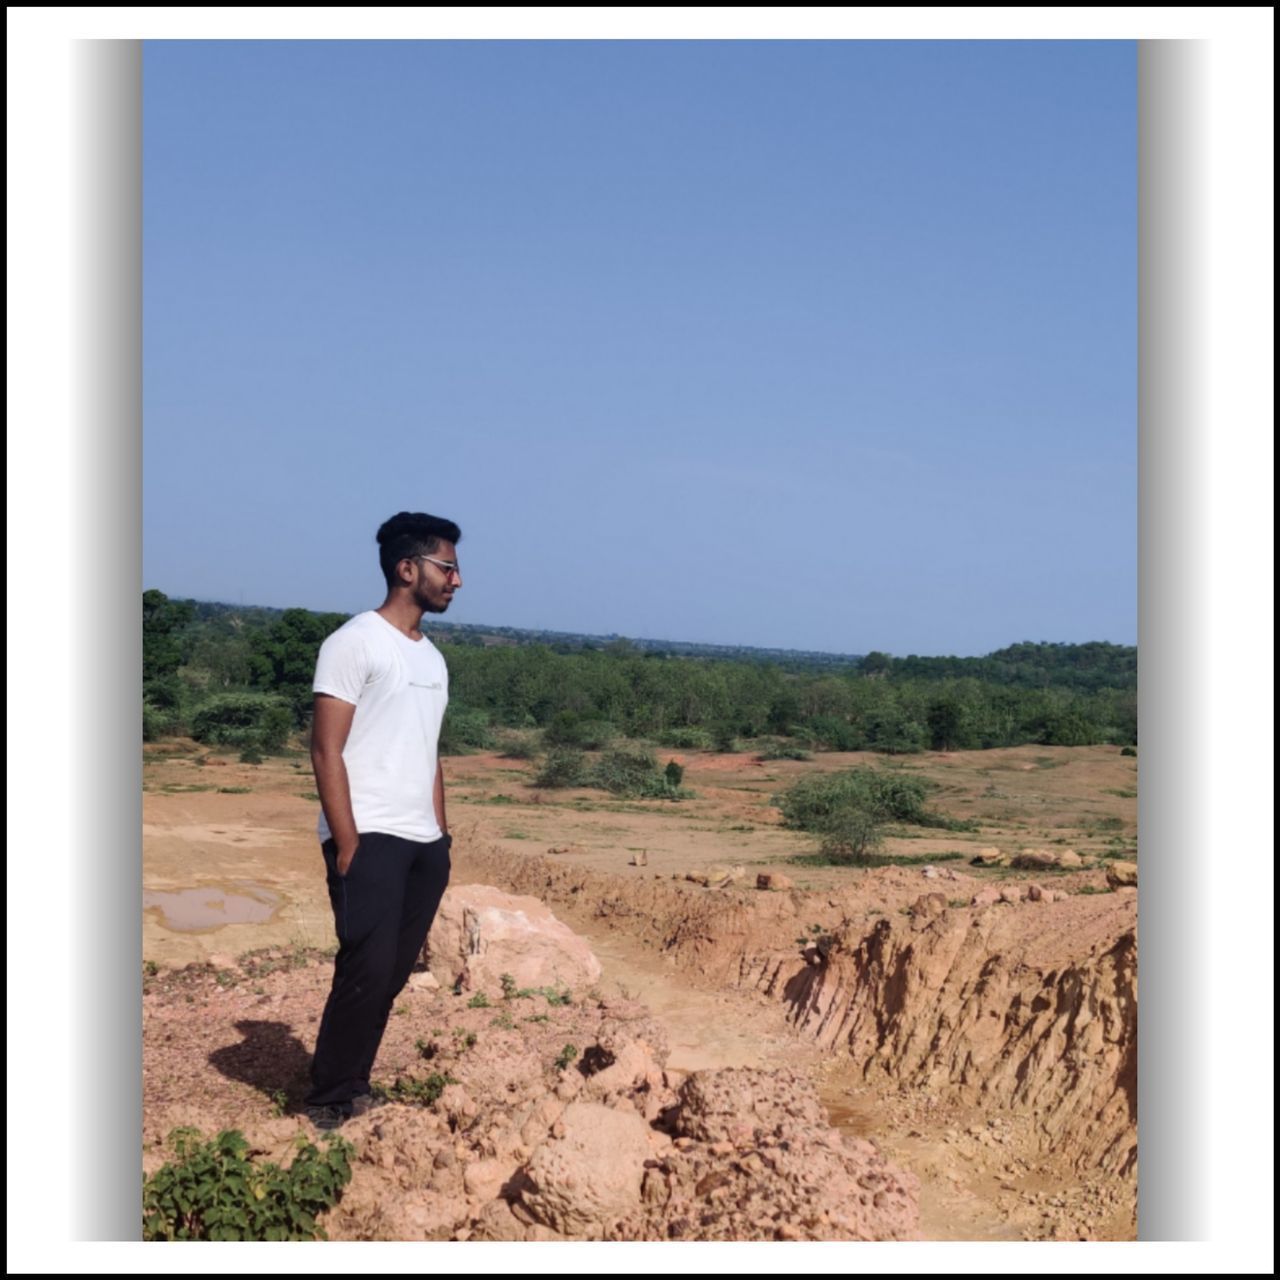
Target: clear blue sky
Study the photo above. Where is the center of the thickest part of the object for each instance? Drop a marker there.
(824, 345)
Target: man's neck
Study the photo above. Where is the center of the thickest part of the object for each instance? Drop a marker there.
(403, 614)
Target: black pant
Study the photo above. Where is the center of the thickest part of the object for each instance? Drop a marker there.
(382, 910)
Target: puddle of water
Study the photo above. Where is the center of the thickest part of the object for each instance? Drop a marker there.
(212, 906)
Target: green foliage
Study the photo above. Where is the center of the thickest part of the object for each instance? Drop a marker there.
(849, 810)
(627, 771)
(892, 796)
(1128, 751)
(422, 1092)
(162, 623)
(252, 755)
(568, 729)
(478, 1001)
(566, 1056)
(282, 656)
(563, 767)
(673, 774)
(509, 988)
(464, 730)
(690, 738)
(504, 1021)
(216, 1191)
(784, 751)
(243, 720)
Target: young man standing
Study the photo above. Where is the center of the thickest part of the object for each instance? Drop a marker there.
(381, 688)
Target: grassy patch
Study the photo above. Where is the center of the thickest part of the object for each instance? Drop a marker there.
(234, 791)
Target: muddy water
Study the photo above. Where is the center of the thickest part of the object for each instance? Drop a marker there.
(211, 906)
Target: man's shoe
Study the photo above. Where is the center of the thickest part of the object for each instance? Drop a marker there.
(328, 1117)
(363, 1103)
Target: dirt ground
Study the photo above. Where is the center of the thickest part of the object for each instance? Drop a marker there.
(232, 867)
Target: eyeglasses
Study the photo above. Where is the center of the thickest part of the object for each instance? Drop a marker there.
(449, 566)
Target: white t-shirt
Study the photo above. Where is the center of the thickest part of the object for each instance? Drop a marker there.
(399, 688)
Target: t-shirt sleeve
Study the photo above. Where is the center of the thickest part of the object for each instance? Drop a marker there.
(342, 669)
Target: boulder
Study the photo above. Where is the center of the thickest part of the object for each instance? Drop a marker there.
(988, 857)
(481, 933)
(1122, 874)
(582, 1181)
(1039, 859)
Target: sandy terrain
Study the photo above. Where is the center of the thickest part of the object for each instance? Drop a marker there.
(985, 1050)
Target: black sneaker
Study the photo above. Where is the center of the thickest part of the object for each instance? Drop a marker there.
(363, 1103)
(328, 1117)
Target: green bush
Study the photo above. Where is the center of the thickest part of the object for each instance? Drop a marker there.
(628, 771)
(464, 730)
(243, 720)
(851, 833)
(215, 1191)
(517, 745)
(157, 723)
(687, 739)
(1128, 751)
(784, 751)
(808, 804)
(568, 729)
(563, 767)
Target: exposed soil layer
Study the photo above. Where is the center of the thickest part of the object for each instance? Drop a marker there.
(987, 1051)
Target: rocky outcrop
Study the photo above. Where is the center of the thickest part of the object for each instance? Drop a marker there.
(481, 933)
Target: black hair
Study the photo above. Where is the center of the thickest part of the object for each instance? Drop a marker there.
(412, 533)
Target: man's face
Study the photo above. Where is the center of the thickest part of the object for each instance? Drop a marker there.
(434, 585)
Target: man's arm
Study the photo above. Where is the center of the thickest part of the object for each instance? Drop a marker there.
(437, 797)
(330, 726)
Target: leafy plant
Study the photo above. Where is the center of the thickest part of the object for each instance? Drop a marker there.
(216, 1191)
(567, 1055)
(563, 767)
(421, 1092)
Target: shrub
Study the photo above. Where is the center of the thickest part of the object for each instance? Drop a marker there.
(628, 771)
(674, 774)
(690, 738)
(892, 796)
(589, 733)
(784, 751)
(464, 730)
(1128, 751)
(517, 745)
(214, 1190)
(157, 723)
(563, 767)
(243, 720)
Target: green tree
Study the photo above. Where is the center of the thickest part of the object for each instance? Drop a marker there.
(162, 623)
(282, 656)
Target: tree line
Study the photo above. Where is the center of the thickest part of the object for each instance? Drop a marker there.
(242, 677)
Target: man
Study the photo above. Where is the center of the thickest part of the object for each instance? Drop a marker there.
(380, 693)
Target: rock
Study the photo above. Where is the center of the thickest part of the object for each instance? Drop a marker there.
(988, 857)
(774, 880)
(720, 874)
(583, 1181)
(1070, 858)
(481, 933)
(698, 877)
(483, 1179)
(1120, 874)
(425, 981)
(1038, 859)
(640, 859)
(987, 897)
(928, 906)
(565, 848)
